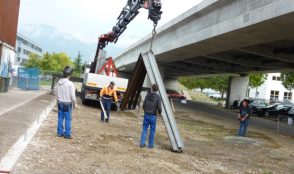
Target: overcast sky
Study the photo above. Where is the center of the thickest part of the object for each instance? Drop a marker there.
(87, 19)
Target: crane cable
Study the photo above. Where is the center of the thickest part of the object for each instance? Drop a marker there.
(153, 35)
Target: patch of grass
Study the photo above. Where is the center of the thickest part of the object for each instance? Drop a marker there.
(45, 82)
(270, 142)
(128, 114)
(217, 99)
(205, 129)
(267, 173)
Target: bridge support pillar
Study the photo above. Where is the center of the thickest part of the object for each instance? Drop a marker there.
(147, 83)
(237, 89)
(171, 83)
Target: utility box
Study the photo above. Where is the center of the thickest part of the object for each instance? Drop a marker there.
(4, 84)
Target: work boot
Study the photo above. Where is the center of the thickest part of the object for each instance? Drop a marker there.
(142, 145)
(107, 120)
(68, 137)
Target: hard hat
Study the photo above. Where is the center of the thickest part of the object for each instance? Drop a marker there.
(67, 71)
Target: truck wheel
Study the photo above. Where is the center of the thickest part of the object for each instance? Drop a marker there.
(84, 101)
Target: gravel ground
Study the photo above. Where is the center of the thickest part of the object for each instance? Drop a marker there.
(113, 148)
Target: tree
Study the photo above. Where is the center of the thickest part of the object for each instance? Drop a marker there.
(287, 79)
(49, 62)
(78, 65)
(256, 80)
(59, 61)
(194, 82)
(219, 83)
(33, 61)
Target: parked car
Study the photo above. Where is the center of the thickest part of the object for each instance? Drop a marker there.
(257, 105)
(172, 94)
(235, 105)
(273, 110)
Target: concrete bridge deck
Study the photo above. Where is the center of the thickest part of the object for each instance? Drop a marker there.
(222, 36)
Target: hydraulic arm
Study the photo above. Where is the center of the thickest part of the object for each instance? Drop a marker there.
(129, 12)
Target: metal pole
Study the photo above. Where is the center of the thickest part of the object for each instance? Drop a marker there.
(164, 98)
(103, 110)
(278, 125)
(164, 112)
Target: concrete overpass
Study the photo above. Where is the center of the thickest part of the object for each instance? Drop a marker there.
(222, 36)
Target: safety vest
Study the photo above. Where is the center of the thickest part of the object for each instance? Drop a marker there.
(108, 93)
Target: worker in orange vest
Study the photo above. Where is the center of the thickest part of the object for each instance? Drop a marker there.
(107, 95)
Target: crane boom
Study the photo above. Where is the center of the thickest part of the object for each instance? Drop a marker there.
(128, 13)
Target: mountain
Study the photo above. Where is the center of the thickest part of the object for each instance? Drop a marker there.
(51, 39)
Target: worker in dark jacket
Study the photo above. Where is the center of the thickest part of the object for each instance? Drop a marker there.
(151, 106)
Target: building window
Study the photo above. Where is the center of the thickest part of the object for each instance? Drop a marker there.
(39, 49)
(24, 42)
(23, 61)
(276, 78)
(274, 96)
(18, 59)
(26, 52)
(287, 96)
(18, 49)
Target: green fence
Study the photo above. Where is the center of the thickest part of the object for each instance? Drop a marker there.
(28, 78)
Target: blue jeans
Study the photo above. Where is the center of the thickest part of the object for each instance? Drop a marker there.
(148, 120)
(107, 106)
(64, 113)
(243, 127)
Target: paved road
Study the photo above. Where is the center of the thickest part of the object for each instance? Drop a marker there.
(258, 122)
(15, 98)
(14, 122)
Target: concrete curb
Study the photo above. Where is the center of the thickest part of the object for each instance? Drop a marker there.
(11, 157)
